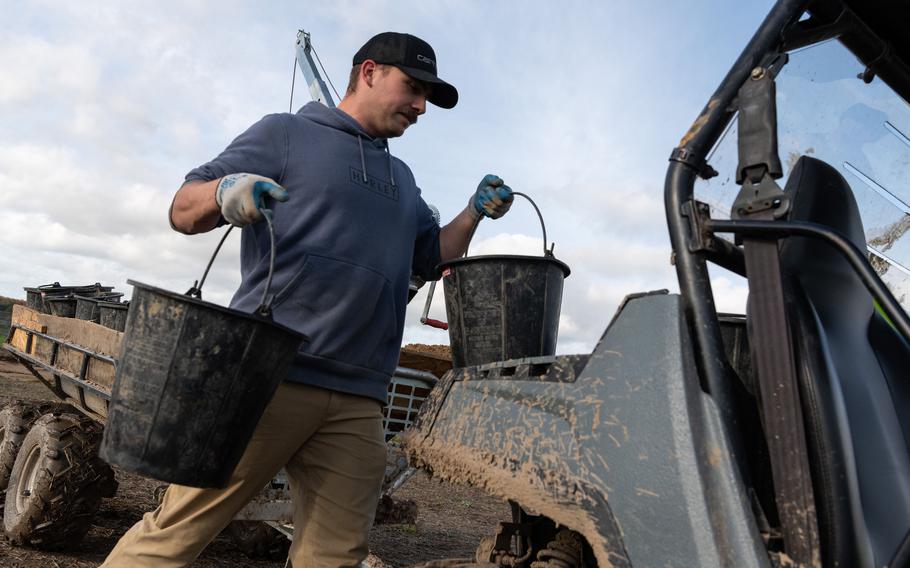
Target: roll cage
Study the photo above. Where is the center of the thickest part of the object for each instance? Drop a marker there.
(788, 329)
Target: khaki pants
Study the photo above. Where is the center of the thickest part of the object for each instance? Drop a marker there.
(332, 447)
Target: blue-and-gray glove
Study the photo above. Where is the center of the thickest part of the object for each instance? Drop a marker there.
(240, 196)
(492, 198)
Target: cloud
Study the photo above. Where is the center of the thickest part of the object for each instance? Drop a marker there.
(76, 224)
(39, 69)
(567, 325)
(48, 181)
(730, 293)
(111, 103)
(505, 243)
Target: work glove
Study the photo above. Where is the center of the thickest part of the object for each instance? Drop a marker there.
(492, 198)
(240, 196)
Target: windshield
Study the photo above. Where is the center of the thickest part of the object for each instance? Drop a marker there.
(826, 111)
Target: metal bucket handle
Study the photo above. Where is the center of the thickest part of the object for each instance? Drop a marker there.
(546, 252)
(265, 303)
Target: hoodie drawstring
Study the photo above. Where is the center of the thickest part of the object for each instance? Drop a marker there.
(363, 162)
(337, 118)
(389, 154)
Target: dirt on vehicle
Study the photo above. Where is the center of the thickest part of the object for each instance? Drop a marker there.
(450, 519)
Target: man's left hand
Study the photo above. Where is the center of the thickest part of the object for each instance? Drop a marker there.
(492, 198)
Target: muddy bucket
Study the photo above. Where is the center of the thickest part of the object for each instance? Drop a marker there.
(192, 381)
(502, 307)
(113, 314)
(36, 298)
(87, 306)
(61, 306)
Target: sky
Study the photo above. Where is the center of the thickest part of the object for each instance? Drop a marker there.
(104, 107)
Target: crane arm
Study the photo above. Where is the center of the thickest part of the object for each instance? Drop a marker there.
(318, 89)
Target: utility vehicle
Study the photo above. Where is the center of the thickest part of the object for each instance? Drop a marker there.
(692, 438)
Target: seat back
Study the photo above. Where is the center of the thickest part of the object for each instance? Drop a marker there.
(854, 375)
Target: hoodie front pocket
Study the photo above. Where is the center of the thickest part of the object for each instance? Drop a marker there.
(347, 310)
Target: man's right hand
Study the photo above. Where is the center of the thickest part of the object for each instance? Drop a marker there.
(240, 197)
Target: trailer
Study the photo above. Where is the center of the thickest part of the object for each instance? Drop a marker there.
(49, 465)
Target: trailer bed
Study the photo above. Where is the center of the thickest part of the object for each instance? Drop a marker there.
(73, 358)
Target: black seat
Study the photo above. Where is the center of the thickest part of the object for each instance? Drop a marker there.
(854, 374)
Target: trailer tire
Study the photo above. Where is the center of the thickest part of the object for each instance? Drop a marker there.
(57, 483)
(258, 540)
(15, 421)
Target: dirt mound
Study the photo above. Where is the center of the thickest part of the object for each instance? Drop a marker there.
(442, 351)
(436, 359)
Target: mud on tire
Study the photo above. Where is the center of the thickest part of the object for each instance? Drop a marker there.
(15, 421)
(57, 482)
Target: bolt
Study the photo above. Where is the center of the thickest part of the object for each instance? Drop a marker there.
(758, 73)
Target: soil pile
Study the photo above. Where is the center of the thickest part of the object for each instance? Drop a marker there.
(441, 351)
(436, 359)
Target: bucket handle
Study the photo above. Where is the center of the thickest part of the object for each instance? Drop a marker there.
(265, 307)
(546, 252)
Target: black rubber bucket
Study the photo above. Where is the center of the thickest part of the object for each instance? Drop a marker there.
(61, 306)
(502, 307)
(87, 306)
(35, 298)
(192, 381)
(113, 314)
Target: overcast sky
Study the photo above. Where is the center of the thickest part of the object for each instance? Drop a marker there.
(104, 107)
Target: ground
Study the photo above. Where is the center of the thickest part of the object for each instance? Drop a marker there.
(451, 519)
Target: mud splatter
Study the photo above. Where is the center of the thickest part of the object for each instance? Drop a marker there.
(890, 235)
(699, 123)
(526, 484)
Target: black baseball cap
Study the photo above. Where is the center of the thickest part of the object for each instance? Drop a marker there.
(413, 56)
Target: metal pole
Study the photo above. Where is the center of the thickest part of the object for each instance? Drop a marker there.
(691, 268)
(318, 89)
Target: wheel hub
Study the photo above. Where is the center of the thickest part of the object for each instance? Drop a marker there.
(28, 478)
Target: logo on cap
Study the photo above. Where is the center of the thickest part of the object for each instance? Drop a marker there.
(425, 59)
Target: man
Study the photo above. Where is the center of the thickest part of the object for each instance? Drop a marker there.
(350, 230)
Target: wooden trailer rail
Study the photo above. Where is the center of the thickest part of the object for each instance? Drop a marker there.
(75, 389)
(71, 357)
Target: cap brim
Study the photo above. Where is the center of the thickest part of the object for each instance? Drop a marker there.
(442, 95)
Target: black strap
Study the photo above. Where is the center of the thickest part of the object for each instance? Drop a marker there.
(772, 344)
(780, 402)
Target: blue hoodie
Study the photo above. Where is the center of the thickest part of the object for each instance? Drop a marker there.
(347, 240)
